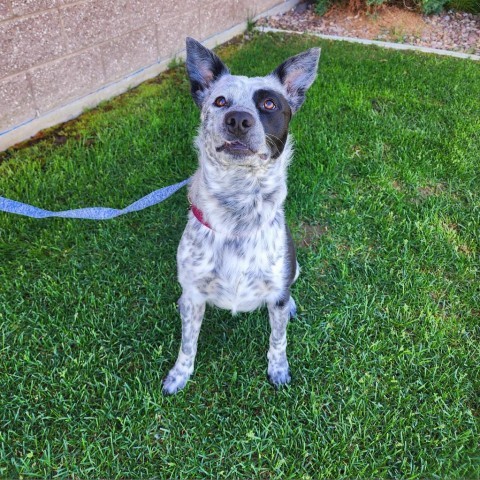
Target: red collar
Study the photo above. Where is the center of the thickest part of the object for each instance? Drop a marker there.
(199, 216)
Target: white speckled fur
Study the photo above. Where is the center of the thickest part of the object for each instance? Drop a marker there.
(244, 260)
(238, 264)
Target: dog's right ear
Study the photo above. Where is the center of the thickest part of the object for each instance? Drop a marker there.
(203, 68)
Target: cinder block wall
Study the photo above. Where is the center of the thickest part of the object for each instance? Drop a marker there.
(53, 53)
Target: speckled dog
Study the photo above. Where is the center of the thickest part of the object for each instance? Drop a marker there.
(237, 252)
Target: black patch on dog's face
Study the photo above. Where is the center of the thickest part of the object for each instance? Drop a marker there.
(275, 121)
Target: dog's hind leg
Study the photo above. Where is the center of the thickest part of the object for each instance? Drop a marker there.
(191, 311)
(292, 308)
(278, 370)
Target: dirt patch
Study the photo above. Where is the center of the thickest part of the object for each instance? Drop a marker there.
(389, 22)
(397, 186)
(431, 190)
(309, 234)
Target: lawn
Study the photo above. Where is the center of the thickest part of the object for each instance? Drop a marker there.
(384, 206)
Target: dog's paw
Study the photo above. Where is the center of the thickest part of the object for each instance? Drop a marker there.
(174, 382)
(279, 376)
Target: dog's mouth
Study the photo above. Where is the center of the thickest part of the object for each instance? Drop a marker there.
(238, 149)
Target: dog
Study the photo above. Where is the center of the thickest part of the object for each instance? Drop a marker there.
(236, 251)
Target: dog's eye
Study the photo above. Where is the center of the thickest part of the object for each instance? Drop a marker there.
(220, 102)
(269, 104)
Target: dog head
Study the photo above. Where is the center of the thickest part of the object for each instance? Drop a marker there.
(245, 120)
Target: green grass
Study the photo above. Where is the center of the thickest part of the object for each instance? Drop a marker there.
(384, 204)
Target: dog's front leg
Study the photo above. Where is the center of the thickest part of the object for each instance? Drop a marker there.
(279, 314)
(192, 311)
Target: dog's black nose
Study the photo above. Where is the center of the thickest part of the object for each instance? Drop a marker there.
(238, 123)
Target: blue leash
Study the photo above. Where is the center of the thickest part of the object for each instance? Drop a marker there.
(91, 213)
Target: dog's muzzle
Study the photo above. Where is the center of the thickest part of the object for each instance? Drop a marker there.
(238, 126)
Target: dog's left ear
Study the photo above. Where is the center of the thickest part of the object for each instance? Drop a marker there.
(297, 74)
(203, 68)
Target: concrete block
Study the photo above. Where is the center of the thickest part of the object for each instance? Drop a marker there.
(129, 53)
(222, 15)
(57, 82)
(24, 7)
(146, 12)
(264, 5)
(91, 22)
(5, 10)
(172, 40)
(16, 101)
(26, 42)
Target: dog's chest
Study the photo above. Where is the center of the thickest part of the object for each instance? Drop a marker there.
(236, 273)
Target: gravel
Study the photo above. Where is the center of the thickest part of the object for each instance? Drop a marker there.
(456, 31)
